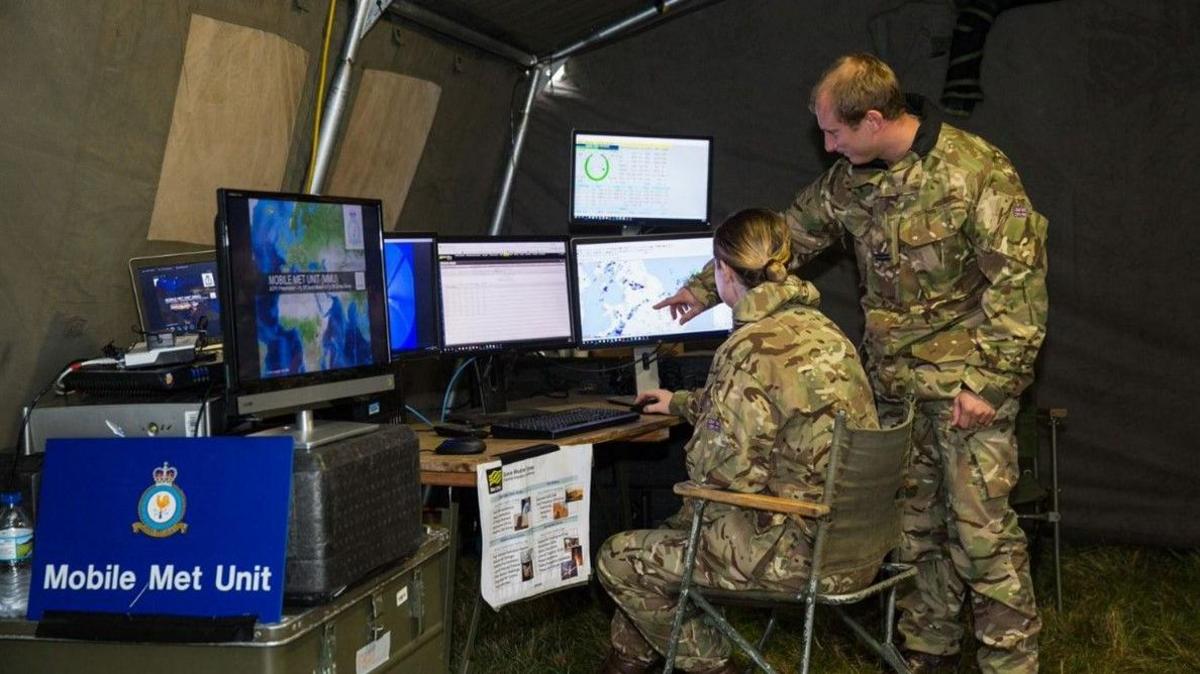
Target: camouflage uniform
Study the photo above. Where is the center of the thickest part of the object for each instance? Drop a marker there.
(953, 260)
(763, 424)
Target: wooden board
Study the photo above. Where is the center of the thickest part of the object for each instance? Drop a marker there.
(384, 140)
(235, 106)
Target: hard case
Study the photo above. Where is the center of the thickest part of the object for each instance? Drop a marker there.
(403, 607)
(356, 505)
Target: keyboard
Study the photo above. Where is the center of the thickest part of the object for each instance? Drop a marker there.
(565, 422)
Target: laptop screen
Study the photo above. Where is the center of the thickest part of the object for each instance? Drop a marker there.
(175, 292)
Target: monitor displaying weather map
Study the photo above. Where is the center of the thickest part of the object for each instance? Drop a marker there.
(639, 179)
(306, 277)
(619, 280)
(412, 300)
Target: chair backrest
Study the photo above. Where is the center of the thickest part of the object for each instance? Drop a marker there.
(866, 472)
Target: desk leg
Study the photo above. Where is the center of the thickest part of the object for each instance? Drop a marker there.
(621, 470)
(472, 630)
(451, 513)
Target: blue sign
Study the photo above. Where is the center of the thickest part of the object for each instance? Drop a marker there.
(172, 526)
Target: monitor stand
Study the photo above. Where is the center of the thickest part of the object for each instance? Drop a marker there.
(307, 434)
(645, 367)
(492, 387)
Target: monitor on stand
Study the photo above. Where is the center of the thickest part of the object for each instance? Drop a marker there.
(503, 294)
(409, 261)
(618, 280)
(639, 180)
(304, 307)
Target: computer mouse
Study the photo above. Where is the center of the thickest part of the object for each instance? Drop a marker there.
(638, 407)
(464, 445)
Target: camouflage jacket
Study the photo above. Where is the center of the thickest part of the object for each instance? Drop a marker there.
(952, 258)
(764, 421)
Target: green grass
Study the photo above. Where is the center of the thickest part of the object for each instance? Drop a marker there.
(1126, 611)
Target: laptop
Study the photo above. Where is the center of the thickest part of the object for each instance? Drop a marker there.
(178, 293)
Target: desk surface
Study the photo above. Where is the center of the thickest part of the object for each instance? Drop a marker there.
(445, 470)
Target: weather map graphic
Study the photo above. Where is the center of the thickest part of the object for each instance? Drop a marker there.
(311, 298)
(617, 297)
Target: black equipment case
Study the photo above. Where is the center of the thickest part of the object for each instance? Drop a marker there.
(356, 506)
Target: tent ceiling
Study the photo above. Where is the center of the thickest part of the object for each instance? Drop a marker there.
(537, 27)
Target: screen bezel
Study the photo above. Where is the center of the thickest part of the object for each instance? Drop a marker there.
(436, 349)
(584, 225)
(671, 338)
(499, 347)
(239, 388)
(139, 264)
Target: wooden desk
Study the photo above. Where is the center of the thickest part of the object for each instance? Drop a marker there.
(444, 470)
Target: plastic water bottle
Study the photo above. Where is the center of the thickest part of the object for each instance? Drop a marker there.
(16, 550)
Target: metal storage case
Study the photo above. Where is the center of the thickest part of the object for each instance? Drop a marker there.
(406, 601)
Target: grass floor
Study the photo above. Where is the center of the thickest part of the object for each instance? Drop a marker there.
(1125, 610)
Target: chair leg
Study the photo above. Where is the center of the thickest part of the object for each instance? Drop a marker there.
(885, 650)
(810, 610)
(685, 588)
(717, 620)
(1054, 500)
(762, 642)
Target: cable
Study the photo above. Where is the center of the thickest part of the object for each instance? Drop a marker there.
(450, 387)
(79, 365)
(25, 423)
(419, 415)
(203, 406)
(312, 160)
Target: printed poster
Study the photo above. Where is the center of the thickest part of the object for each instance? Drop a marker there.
(534, 517)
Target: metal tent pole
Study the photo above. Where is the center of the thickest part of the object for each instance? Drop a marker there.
(510, 169)
(339, 93)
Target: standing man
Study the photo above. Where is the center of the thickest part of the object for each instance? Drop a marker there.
(952, 259)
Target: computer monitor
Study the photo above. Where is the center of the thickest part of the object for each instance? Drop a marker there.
(501, 293)
(177, 293)
(304, 309)
(635, 179)
(409, 261)
(619, 279)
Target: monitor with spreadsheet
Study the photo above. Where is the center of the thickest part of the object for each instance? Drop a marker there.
(635, 179)
(618, 280)
(502, 293)
(412, 297)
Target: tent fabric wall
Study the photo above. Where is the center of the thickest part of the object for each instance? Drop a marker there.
(89, 90)
(1092, 102)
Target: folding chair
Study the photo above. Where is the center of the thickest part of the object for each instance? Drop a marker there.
(1035, 501)
(858, 520)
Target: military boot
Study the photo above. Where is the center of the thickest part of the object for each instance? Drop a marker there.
(616, 663)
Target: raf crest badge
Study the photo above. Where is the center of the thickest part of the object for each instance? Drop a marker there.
(162, 505)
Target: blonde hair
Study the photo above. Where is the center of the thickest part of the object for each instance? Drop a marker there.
(856, 84)
(756, 244)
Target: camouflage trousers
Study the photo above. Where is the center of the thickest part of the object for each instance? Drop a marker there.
(962, 534)
(638, 567)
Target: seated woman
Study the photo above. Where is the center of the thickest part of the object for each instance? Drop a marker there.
(764, 425)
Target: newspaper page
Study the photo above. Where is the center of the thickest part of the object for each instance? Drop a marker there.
(534, 517)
